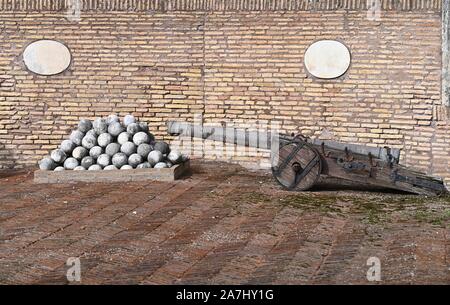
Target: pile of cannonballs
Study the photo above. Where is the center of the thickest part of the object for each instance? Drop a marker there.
(109, 144)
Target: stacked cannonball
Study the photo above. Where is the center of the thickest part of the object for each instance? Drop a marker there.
(111, 144)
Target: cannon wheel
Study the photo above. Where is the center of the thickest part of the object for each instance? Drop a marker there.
(297, 165)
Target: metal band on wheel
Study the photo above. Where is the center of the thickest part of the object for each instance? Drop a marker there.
(296, 165)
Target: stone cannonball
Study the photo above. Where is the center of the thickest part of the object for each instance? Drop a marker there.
(141, 137)
(104, 160)
(126, 166)
(47, 164)
(152, 138)
(100, 126)
(143, 126)
(67, 146)
(144, 149)
(128, 119)
(71, 163)
(87, 161)
(163, 147)
(152, 163)
(91, 133)
(84, 125)
(128, 148)
(89, 141)
(95, 151)
(144, 165)
(119, 160)
(184, 158)
(104, 139)
(160, 165)
(112, 118)
(123, 138)
(59, 169)
(133, 128)
(58, 155)
(115, 128)
(110, 167)
(79, 168)
(112, 149)
(174, 157)
(134, 160)
(76, 137)
(79, 152)
(154, 157)
(95, 167)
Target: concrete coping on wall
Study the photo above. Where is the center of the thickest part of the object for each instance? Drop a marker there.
(156, 174)
(218, 5)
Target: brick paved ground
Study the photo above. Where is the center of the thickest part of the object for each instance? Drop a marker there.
(223, 224)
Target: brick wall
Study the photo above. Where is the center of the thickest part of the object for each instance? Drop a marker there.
(237, 63)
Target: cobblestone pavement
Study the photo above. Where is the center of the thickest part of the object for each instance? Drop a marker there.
(221, 225)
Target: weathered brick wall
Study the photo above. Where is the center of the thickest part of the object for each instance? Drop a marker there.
(146, 64)
(172, 62)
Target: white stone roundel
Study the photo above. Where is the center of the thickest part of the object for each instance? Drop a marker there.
(327, 59)
(46, 57)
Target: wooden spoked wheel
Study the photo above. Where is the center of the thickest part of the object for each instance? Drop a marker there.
(296, 165)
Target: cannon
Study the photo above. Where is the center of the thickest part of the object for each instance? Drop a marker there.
(297, 162)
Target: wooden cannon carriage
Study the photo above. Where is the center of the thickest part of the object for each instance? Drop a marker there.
(298, 162)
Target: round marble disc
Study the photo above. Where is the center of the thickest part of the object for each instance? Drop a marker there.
(46, 57)
(327, 59)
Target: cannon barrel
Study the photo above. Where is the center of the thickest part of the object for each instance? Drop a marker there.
(232, 135)
(271, 139)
